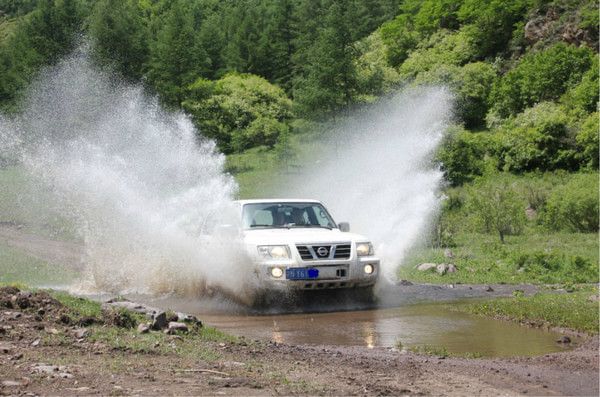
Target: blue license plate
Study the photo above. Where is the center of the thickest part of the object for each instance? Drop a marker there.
(301, 273)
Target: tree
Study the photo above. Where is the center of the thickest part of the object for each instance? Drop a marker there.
(330, 81)
(538, 139)
(399, 38)
(119, 34)
(541, 76)
(239, 111)
(46, 34)
(574, 206)
(176, 58)
(496, 206)
(492, 22)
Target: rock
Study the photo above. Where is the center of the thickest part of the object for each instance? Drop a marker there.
(35, 343)
(175, 326)
(65, 319)
(564, 339)
(23, 299)
(172, 316)
(52, 331)
(188, 318)
(5, 348)
(452, 268)
(87, 321)
(159, 321)
(80, 333)
(442, 268)
(45, 369)
(232, 364)
(13, 383)
(448, 253)
(143, 328)
(530, 213)
(487, 288)
(423, 267)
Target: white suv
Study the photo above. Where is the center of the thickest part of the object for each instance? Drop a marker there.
(295, 244)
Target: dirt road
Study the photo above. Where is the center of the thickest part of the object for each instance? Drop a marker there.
(80, 367)
(41, 354)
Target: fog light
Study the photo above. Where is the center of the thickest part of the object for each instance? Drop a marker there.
(369, 269)
(276, 272)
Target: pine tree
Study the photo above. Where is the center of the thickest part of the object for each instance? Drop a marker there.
(119, 36)
(330, 76)
(177, 58)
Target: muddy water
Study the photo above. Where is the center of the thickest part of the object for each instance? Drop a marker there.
(414, 325)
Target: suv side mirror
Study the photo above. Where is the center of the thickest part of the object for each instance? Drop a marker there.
(344, 226)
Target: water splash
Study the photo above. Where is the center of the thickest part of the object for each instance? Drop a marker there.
(377, 171)
(137, 181)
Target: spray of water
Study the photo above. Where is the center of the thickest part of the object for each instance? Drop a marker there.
(142, 188)
(377, 171)
(145, 192)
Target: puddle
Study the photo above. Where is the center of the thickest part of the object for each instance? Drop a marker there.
(414, 325)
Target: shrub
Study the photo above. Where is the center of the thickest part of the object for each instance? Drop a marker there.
(374, 75)
(442, 48)
(574, 205)
(588, 142)
(492, 22)
(537, 140)
(436, 14)
(584, 96)
(541, 76)
(496, 206)
(239, 111)
(471, 84)
(399, 38)
(553, 267)
(463, 155)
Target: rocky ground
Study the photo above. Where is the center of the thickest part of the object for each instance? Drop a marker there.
(47, 347)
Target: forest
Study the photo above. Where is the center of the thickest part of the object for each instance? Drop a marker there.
(520, 160)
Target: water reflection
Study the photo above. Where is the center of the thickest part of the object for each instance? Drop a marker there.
(431, 325)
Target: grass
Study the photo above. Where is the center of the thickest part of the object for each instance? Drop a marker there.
(575, 310)
(25, 201)
(18, 267)
(535, 257)
(199, 343)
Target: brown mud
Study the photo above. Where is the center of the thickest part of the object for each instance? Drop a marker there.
(41, 353)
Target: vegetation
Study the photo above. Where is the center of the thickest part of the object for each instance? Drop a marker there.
(264, 78)
(577, 310)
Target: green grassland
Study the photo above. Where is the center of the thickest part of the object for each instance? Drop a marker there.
(17, 266)
(532, 257)
(577, 310)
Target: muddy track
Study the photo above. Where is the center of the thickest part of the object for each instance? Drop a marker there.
(264, 368)
(33, 359)
(46, 249)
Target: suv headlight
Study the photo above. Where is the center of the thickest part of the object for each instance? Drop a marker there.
(274, 251)
(364, 249)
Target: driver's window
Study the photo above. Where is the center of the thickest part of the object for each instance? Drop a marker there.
(263, 217)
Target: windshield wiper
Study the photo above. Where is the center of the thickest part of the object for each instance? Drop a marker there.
(319, 226)
(269, 226)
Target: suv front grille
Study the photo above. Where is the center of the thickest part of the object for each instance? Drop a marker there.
(325, 251)
(304, 252)
(342, 252)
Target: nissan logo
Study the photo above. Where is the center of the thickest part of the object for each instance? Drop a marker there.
(322, 251)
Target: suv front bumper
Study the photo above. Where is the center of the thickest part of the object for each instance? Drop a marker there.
(331, 274)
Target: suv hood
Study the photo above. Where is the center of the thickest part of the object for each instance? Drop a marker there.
(299, 236)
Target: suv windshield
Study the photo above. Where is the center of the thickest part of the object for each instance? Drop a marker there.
(288, 215)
